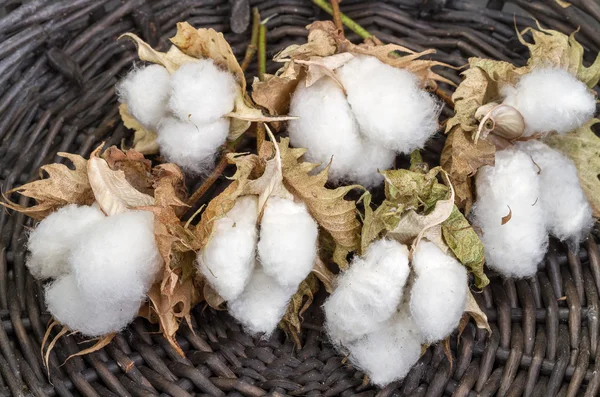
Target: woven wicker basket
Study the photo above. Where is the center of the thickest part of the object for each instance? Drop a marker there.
(59, 62)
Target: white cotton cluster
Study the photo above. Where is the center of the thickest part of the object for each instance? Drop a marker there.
(146, 92)
(50, 242)
(511, 186)
(389, 353)
(439, 292)
(288, 239)
(187, 109)
(567, 212)
(102, 266)
(258, 273)
(228, 258)
(384, 112)
(368, 294)
(551, 99)
(389, 105)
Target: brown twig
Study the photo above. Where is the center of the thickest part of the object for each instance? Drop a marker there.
(337, 15)
(212, 178)
(260, 135)
(253, 46)
(445, 97)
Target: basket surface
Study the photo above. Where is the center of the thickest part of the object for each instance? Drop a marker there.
(59, 62)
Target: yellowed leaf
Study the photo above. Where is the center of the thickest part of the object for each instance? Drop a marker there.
(62, 186)
(473, 310)
(323, 274)
(144, 141)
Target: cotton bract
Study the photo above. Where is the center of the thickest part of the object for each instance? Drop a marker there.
(262, 304)
(193, 147)
(367, 294)
(201, 92)
(227, 260)
(551, 100)
(117, 259)
(288, 241)
(146, 92)
(511, 185)
(567, 212)
(388, 354)
(51, 241)
(328, 129)
(439, 292)
(85, 312)
(390, 107)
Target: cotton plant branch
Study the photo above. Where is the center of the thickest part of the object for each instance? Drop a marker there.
(345, 20)
(253, 46)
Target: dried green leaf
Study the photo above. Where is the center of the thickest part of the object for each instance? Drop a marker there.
(465, 244)
(583, 147)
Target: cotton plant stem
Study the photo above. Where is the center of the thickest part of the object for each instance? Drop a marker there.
(337, 16)
(253, 46)
(346, 21)
(262, 50)
(260, 135)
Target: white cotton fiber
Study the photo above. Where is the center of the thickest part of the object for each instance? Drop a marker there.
(567, 211)
(193, 147)
(87, 314)
(51, 241)
(551, 100)
(328, 129)
(202, 93)
(515, 248)
(288, 241)
(146, 92)
(262, 304)
(388, 354)
(388, 103)
(227, 260)
(439, 292)
(368, 293)
(117, 259)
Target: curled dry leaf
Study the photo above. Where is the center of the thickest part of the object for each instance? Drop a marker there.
(464, 154)
(137, 169)
(113, 193)
(62, 186)
(300, 302)
(325, 50)
(144, 141)
(507, 217)
(583, 147)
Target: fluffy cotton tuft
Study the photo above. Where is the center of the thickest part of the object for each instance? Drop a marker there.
(193, 147)
(328, 129)
(288, 241)
(439, 293)
(388, 103)
(117, 259)
(227, 260)
(202, 93)
(515, 248)
(262, 304)
(551, 100)
(567, 212)
(51, 241)
(87, 314)
(368, 293)
(146, 92)
(388, 354)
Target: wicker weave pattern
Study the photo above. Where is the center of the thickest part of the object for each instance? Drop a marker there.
(59, 62)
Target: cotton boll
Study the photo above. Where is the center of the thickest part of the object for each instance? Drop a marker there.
(288, 241)
(368, 293)
(87, 314)
(193, 147)
(515, 248)
(146, 92)
(117, 259)
(328, 129)
(262, 304)
(227, 260)
(551, 100)
(439, 293)
(388, 104)
(388, 354)
(202, 93)
(51, 241)
(567, 212)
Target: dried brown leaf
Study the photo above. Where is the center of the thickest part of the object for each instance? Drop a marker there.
(137, 169)
(275, 91)
(507, 217)
(144, 141)
(211, 297)
(291, 322)
(62, 186)
(171, 60)
(101, 343)
(473, 310)
(323, 273)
